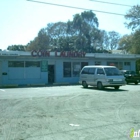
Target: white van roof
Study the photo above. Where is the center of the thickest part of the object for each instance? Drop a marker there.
(99, 66)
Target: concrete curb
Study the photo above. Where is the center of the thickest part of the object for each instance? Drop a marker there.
(58, 84)
(9, 86)
(37, 85)
(42, 84)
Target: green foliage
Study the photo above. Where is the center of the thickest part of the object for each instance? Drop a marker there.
(79, 34)
(17, 48)
(131, 43)
(108, 40)
(133, 17)
(40, 42)
(56, 30)
(113, 38)
(125, 43)
(136, 42)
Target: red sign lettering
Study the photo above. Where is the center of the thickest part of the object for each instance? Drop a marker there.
(44, 53)
(40, 53)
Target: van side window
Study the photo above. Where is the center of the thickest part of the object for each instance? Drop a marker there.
(85, 71)
(100, 71)
(91, 71)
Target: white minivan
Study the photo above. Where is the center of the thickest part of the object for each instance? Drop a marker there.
(101, 76)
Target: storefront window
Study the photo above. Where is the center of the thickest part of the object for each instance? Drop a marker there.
(112, 64)
(67, 69)
(32, 64)
(16, 64)
(72, 69)
(97, 63)
(127, 63)
(119, 65)
(76, 69)
(84, 64)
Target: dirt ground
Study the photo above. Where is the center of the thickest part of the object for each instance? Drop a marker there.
(69, 113)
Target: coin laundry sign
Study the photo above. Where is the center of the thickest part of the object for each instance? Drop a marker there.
(43, 53)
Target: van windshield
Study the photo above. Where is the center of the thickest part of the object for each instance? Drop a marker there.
(112, 71)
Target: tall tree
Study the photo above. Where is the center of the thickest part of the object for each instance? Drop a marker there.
(78, 34)
(104, 41)
(39, 42)
(125, 43)
(136, 42)
(131, 43)
(113, 38)
(55, 31)
(85, 25)
(133, 17)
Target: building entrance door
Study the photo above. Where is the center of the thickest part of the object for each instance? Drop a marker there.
(51, 74)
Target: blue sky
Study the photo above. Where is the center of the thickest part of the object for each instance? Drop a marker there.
(21, 20)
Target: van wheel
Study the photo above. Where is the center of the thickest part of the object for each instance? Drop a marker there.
(84, 84)
(99, 85)
(117, 87)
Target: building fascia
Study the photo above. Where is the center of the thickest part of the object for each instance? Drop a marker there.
(59, 55)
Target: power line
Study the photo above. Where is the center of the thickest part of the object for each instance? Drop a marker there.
(111, 3)
(54, 4)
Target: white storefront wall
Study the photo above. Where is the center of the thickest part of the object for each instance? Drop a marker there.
(21, 75)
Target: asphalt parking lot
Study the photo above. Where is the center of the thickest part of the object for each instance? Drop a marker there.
(69, 113)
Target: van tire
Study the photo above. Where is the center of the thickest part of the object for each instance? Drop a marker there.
(84, 84)
(100, 86)
(117, 87)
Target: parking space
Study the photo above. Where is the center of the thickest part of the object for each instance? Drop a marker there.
(69, 113)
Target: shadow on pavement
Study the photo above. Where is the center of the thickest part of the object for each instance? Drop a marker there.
(107, 89)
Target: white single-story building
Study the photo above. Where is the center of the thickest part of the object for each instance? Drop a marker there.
(43, 67)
